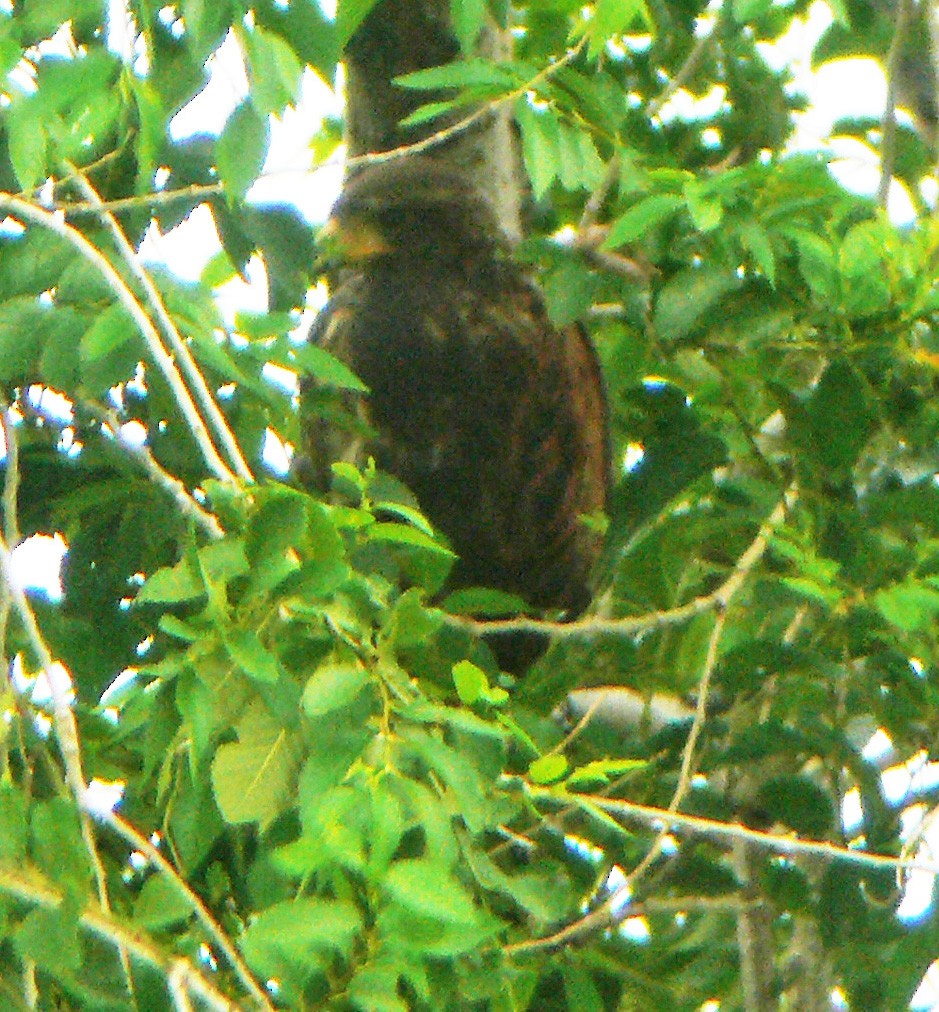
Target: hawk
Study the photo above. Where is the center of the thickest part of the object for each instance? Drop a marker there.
(494, 418)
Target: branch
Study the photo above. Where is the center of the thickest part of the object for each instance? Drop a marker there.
(611, 911)
(170, 484)
(45, 219)
(66, 729)
(461, 126)
(139, 842)
(888, 145)
(782, 844)
(74, 208)
(32, 888)
(11, 480)
(688, 67)
(190, 368)
(631, 625)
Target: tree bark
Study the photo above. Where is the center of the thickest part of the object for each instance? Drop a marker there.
(402, 36)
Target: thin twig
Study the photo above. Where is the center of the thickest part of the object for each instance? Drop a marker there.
(137, 840)
(888, 144)
(596, 199)
(461, 126)
(45, 219)
(688, 67)
(591, 711)
(198, 191)
(661, 818)
(66, 729)
(737, 831)
(11, 480)
(32, 888)
(611, 910)
(186, 504)
(190, 369)
(594, 625)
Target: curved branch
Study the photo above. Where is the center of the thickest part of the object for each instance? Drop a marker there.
(139, 842)
(45, 219)
(33, 889)
(187, 363)
(631, 625)
(461, 126)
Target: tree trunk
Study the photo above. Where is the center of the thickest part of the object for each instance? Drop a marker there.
(401, 36)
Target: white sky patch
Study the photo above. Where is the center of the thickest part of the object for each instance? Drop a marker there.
(104, 795)
(276, 455)
(187, 248)
(227, 86)
(37, 565)
(134, 433)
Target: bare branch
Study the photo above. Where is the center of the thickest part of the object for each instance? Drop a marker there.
(137, 840)
(187, 363)
(32, 888)
(631, 625)
(74, 208)
(162, 478)
(66, 729)
(46, 219)
(613, 909)
(888, 145)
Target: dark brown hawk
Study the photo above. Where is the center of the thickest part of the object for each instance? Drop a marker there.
(493, 418)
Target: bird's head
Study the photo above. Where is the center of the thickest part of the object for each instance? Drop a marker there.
(410, 207)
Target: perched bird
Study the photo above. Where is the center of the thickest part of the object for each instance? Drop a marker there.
(494, 419)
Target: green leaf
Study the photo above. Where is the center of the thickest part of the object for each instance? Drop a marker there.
(649, 212)
(241, 149)
(755, 240)
(252, 657)
(333, 687)
(603, 771)
(750, 10)
(471, 682)
(475, 73)
(27, 141)
(349, 15)
(706, 211)
(111, 329)
(294, 931)
(540, 146)
(253, 779)
(467, 18)
(401, 534)
(12, 824)
(275, 70)
(326, 368)
(182, 582)
(428, 889)
(160, 905)
(49, 938)
(483, 601)
(690, 299)
(610, 17)
(548, 768)
(909, 606)
(23, 325)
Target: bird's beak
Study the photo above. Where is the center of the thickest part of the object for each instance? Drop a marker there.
(345, 242)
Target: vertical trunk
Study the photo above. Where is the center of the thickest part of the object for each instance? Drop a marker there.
(401, 36)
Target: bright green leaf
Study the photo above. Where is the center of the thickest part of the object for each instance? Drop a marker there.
(548, 768)
(241, 149)
(333, 687)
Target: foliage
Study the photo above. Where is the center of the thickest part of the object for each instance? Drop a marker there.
(331, 796)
